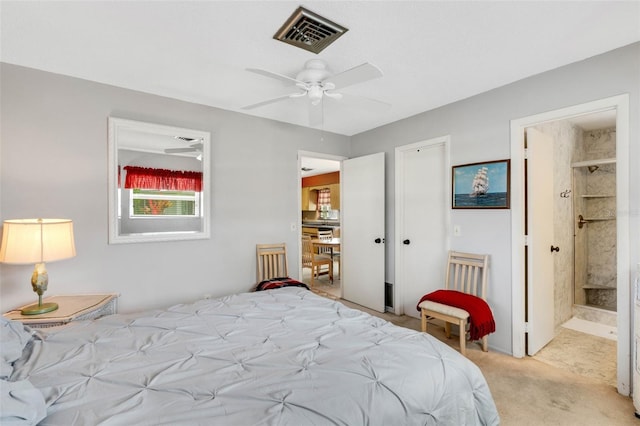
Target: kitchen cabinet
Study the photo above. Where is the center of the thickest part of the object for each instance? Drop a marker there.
(309, 198)
(335, 196)
(305, 198)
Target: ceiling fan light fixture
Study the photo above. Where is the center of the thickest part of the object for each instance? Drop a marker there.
(315, 81)
(315, 94)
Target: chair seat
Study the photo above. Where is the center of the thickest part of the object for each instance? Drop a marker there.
(465, 273)
(444, 309)
(315, 261)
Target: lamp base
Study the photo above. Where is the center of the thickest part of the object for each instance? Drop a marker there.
(37, 308)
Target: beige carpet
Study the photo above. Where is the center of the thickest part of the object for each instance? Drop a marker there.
(528, 392)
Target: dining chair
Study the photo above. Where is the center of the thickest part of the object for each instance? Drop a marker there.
(271, 261)
(315, 261)
(325, 235)
(466, 273)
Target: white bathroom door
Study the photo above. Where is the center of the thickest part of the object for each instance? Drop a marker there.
(362, 231)
(540, 276)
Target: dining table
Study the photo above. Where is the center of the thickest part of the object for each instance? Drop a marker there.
(331, 243)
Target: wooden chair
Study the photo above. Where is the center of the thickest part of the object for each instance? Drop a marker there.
(325, 235)
(466, 272)
(335, 254)
(315, 261)
(271, 261)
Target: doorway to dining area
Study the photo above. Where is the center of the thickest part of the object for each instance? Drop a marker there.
(320, 218)
(361, 227)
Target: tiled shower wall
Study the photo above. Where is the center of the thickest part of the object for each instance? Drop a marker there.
(595, 263)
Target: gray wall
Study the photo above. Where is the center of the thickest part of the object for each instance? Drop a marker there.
(480, 131)
(54, 157)
(54, 164)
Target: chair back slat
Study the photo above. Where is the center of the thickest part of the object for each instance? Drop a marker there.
(307, 251)
(467, 272)
(325, 235)
(271, 261)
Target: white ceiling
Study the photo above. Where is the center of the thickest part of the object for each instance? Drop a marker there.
(431, 52)
(318, 166)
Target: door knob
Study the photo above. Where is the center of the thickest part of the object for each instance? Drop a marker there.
(406, 242)
(378, 240)
(556, 249)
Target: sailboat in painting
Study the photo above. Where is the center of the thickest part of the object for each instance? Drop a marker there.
(480, 184)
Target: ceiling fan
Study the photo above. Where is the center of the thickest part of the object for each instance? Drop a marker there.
(194, 147)
(316, 82)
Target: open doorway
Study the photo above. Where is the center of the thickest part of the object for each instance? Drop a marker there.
(525, 323)
(581, 304)
(320, 197)
(361, 268)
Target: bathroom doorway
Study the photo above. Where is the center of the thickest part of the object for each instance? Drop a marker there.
(564, 300)
(584, 238)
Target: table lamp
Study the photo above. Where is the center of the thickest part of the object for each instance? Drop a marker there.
(26, 241)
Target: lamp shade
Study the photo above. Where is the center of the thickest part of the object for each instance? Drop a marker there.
(36, 240)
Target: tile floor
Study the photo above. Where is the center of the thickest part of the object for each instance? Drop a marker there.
(585, 354)
(322, 285)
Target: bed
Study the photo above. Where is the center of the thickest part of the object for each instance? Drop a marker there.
(278, 357)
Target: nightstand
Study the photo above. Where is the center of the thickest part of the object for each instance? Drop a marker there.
(71, 308)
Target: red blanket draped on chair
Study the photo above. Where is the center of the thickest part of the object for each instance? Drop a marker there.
(481, 320)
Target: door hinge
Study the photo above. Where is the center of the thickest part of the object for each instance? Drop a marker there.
(526, 240)
(526, 153)
(526, 327)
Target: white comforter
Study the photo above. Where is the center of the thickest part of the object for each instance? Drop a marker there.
(277, 357)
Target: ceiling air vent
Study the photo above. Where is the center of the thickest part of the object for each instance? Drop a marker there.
(308, 31)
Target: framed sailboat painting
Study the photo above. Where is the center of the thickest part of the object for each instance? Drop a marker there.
(481, 185)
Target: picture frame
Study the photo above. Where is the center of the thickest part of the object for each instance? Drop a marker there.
(484, 185)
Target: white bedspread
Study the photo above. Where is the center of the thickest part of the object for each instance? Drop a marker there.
(277, 357)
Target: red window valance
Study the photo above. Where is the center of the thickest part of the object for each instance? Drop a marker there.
(159, 179)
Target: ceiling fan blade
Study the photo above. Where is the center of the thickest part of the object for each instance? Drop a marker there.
(355, 75)
(179, 150)
(363, 101)
(333, 95)
(281, 77)
(270, 101)
(190, 148)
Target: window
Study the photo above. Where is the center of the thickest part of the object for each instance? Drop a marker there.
(324, 198)
(147, 202)
(163, 193)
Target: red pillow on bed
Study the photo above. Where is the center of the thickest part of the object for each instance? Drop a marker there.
(279, 283)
